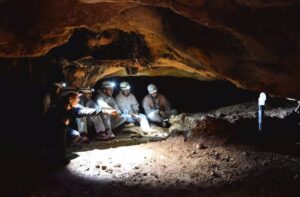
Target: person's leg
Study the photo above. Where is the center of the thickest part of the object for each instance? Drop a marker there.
(98, 124)
(116, 121)
(107, 134)
(171, 112)
(82, 124)
(144, 123)
(73, 135)
(154, 116)
(106, 121)
(128, 118)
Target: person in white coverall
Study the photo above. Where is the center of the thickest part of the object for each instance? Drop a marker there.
(157, 107)
(105, 100)
(130, 107)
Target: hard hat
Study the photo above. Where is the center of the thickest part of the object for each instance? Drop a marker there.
(124, 85)
(152, 88)
(68, 91)
(107, 84)
(85, 90)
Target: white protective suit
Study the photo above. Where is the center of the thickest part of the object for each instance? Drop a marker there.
(96, 122)
(130, 109)
(153, 107)
(104, 101)
(127, 104)
(91, 122)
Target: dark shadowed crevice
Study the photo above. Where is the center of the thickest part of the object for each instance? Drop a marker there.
(191, 34)
(189, 95)
(106, 45)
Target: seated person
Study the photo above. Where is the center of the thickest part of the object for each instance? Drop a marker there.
(61, 124)
(105, 100)
(130, 107)
(157, 107)
(89, 126)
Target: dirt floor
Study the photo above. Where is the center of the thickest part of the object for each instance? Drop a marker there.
(174, 167)
(127, 166)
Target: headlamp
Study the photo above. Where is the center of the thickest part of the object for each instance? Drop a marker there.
(113, 84)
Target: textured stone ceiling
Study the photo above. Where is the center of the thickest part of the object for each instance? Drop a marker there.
(252, 43)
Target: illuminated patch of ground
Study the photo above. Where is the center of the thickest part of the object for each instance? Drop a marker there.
(174, 167)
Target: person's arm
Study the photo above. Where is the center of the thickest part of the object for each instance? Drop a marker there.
(147, 105)
(120, 103)
(135, 105)
(165, 103)
(115, 105)
(81, 111)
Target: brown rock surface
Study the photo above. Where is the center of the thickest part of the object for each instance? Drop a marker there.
(254, 44)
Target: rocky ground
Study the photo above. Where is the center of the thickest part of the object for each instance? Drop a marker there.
(175, 167)
(197, 163)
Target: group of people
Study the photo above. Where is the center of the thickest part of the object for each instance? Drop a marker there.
(72, 116)
(126, 106)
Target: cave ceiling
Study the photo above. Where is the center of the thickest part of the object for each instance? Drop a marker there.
(252, 43)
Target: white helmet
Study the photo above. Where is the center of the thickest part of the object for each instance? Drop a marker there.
(124, 85)
(107, 84)
(152, 88)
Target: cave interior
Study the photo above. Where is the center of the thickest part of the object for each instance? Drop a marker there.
(210, 59)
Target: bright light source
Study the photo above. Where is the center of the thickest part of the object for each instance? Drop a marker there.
(63, 84)
(113, 84)
(262, 98)
(92, 89)
(291, 99)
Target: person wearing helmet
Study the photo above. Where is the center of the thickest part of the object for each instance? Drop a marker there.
(130, 107)
(52, 95)
(104, 99)
(157, 107)
(61, 125)
(91, 125)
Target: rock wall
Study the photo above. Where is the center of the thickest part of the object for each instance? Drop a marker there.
(254, 44)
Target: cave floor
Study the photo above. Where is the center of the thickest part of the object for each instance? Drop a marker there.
(129, 134)
(174, 167)
(147, 164)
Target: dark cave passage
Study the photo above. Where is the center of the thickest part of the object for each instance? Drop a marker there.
(187, 94)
